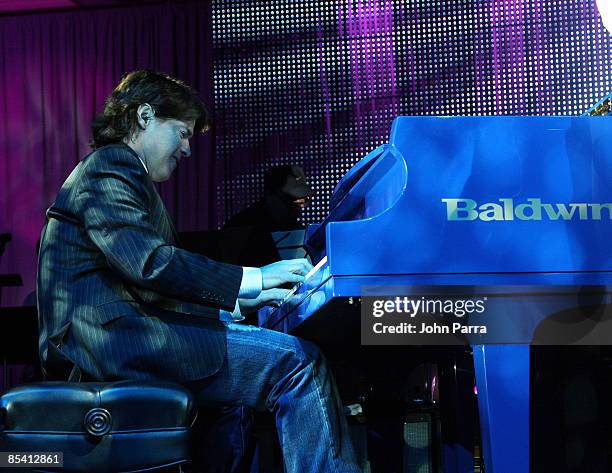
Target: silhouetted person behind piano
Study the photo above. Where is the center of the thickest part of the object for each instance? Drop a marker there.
(285, 193)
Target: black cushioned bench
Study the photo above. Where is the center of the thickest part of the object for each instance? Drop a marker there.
(123, 426)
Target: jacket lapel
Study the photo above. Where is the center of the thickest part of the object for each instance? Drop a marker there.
(161, 218)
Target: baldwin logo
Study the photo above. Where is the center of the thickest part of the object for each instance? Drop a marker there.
(532, 209)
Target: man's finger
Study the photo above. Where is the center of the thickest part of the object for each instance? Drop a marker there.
(294, 277)
(300, 266)
(276, 293)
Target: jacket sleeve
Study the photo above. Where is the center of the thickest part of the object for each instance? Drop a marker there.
(114, 203)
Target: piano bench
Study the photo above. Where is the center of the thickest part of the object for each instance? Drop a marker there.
(99, 427)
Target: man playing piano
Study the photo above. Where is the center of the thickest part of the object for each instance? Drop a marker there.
(118, 299)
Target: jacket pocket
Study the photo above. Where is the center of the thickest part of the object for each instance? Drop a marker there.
(110, 311)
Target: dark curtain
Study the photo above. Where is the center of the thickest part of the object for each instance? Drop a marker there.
(55, 71)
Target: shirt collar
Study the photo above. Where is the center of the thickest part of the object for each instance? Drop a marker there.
(143, 164)
(139, 158)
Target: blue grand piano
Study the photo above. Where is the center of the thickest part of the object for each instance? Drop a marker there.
(517, 208)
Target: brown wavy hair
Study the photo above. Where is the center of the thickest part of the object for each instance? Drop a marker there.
(169, 97)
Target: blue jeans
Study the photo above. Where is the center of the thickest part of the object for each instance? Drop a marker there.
(224, 440)
(277, 372)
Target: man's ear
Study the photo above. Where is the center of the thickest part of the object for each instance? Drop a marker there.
(144, 115)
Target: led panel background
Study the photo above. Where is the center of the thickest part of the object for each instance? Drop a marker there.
(318, 83)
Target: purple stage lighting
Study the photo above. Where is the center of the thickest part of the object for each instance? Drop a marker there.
(319, 82)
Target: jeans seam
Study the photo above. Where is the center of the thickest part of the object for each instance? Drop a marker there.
(332, 453)
(242, 433)
(267, 344)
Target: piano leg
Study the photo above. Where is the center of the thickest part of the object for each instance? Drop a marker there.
(502, 379)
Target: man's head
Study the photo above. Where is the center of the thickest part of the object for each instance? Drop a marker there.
(155, 115)
(289, 180)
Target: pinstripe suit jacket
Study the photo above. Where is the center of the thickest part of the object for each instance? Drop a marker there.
(116, 296)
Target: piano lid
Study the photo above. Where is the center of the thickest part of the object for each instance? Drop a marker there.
(372, 186)
(461, 195)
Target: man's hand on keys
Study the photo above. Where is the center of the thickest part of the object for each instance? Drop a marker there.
(285, 271)
(272, 297)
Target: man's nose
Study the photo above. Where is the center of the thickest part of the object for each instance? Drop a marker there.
(185, 150)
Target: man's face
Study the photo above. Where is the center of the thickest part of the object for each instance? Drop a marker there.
(297, 186)
(164, 143)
